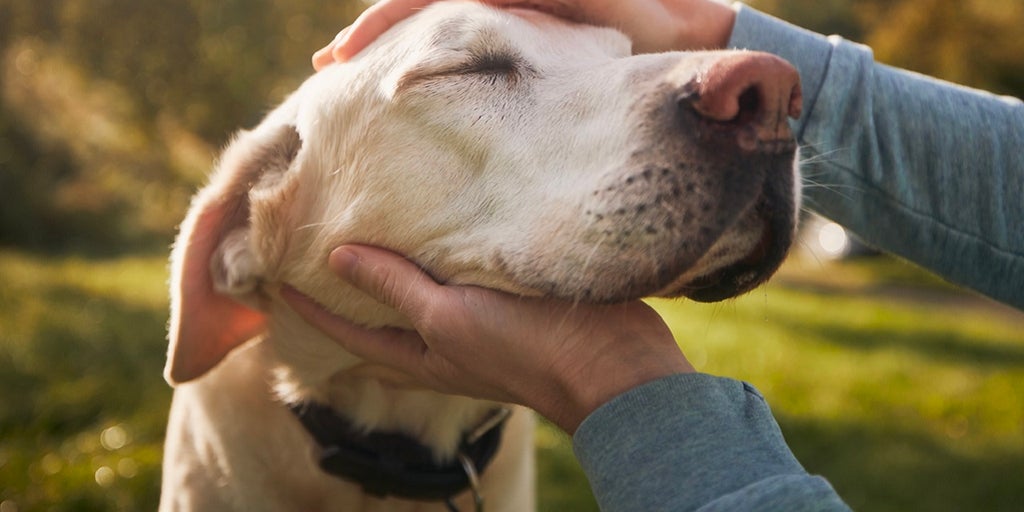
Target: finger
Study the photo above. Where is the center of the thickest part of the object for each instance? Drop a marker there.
(563, 9)
(372, 23)
(389, 278)
(396, 348)
(324, 56)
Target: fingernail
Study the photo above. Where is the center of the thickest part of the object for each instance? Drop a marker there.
(325, 56)
(338, 45)
(323, 51)
(318, 60)
(343, 261)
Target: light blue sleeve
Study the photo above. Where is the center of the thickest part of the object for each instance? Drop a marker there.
(927, 170)
(921, 168)
(695, 442)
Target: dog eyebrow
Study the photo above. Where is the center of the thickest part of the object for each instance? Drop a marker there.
(465, 34)
(483, 51)
(448, 30)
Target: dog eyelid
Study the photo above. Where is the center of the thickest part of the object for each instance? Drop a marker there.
(496, 65)
(492, 63)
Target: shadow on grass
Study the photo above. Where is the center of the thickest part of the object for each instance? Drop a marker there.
(935, 344)
(887, 470)
(86, 365)
(924, 323)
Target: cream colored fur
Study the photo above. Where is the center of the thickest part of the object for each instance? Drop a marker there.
(492, 148)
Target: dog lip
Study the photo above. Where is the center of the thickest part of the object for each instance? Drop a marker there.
(738, 277)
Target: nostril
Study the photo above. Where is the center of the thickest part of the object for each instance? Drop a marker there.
(745, 98)
(751, 87)
(749, 105)
(731, 109)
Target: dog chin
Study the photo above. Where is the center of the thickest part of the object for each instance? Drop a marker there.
(744, 257)
(734, 267)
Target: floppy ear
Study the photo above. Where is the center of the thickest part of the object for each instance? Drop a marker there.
(212, 256)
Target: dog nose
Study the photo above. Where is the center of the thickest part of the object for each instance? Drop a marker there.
(749, 94)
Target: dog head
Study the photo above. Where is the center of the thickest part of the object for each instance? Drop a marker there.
(503, 149)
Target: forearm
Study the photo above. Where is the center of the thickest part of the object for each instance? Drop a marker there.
(924, 169)
(692, 442)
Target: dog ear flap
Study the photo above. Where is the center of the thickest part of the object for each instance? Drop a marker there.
(206, 324)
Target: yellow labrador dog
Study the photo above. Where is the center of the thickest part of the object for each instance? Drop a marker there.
(497, 148)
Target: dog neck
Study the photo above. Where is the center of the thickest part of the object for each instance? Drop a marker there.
(311, 368)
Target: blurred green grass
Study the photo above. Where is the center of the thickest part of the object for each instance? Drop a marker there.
(83, 403)
(904, 392)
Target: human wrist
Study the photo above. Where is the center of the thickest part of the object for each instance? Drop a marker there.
(585, 389)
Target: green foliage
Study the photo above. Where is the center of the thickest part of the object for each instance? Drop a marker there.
(111, 111)
(972, 42)
(885, 389)
(82, 402)
(561, 484)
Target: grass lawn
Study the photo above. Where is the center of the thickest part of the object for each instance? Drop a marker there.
(904, 393)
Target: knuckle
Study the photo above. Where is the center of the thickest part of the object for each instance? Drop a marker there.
(385, 285)
(428, 319)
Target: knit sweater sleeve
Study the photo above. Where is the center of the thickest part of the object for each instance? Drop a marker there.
(694, 442)
(924, 169)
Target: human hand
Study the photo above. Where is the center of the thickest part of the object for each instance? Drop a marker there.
(653, 25)
(563, 360)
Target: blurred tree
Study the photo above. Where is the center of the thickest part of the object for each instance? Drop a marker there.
(111, 111)
(978, 43)
(973, 42)
(823, 16)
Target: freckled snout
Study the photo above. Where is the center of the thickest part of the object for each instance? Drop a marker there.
(707, 199)
(747, 96)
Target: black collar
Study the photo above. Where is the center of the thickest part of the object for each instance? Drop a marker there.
(395, 464)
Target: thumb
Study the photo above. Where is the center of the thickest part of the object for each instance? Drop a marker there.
(389, 278)
(372, 23)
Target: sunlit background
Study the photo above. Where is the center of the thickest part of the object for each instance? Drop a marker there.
(907, 393)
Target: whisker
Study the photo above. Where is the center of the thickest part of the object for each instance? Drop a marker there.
(809, 182)
(577, 299)
(810, 250)
(590, 256)
(820, 157)
(314, 225)
(332, 222)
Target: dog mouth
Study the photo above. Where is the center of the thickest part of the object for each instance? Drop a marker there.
(748, 253)
(661, 231)
(742, 275)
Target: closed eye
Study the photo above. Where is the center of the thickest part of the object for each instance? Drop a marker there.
(493, 65)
